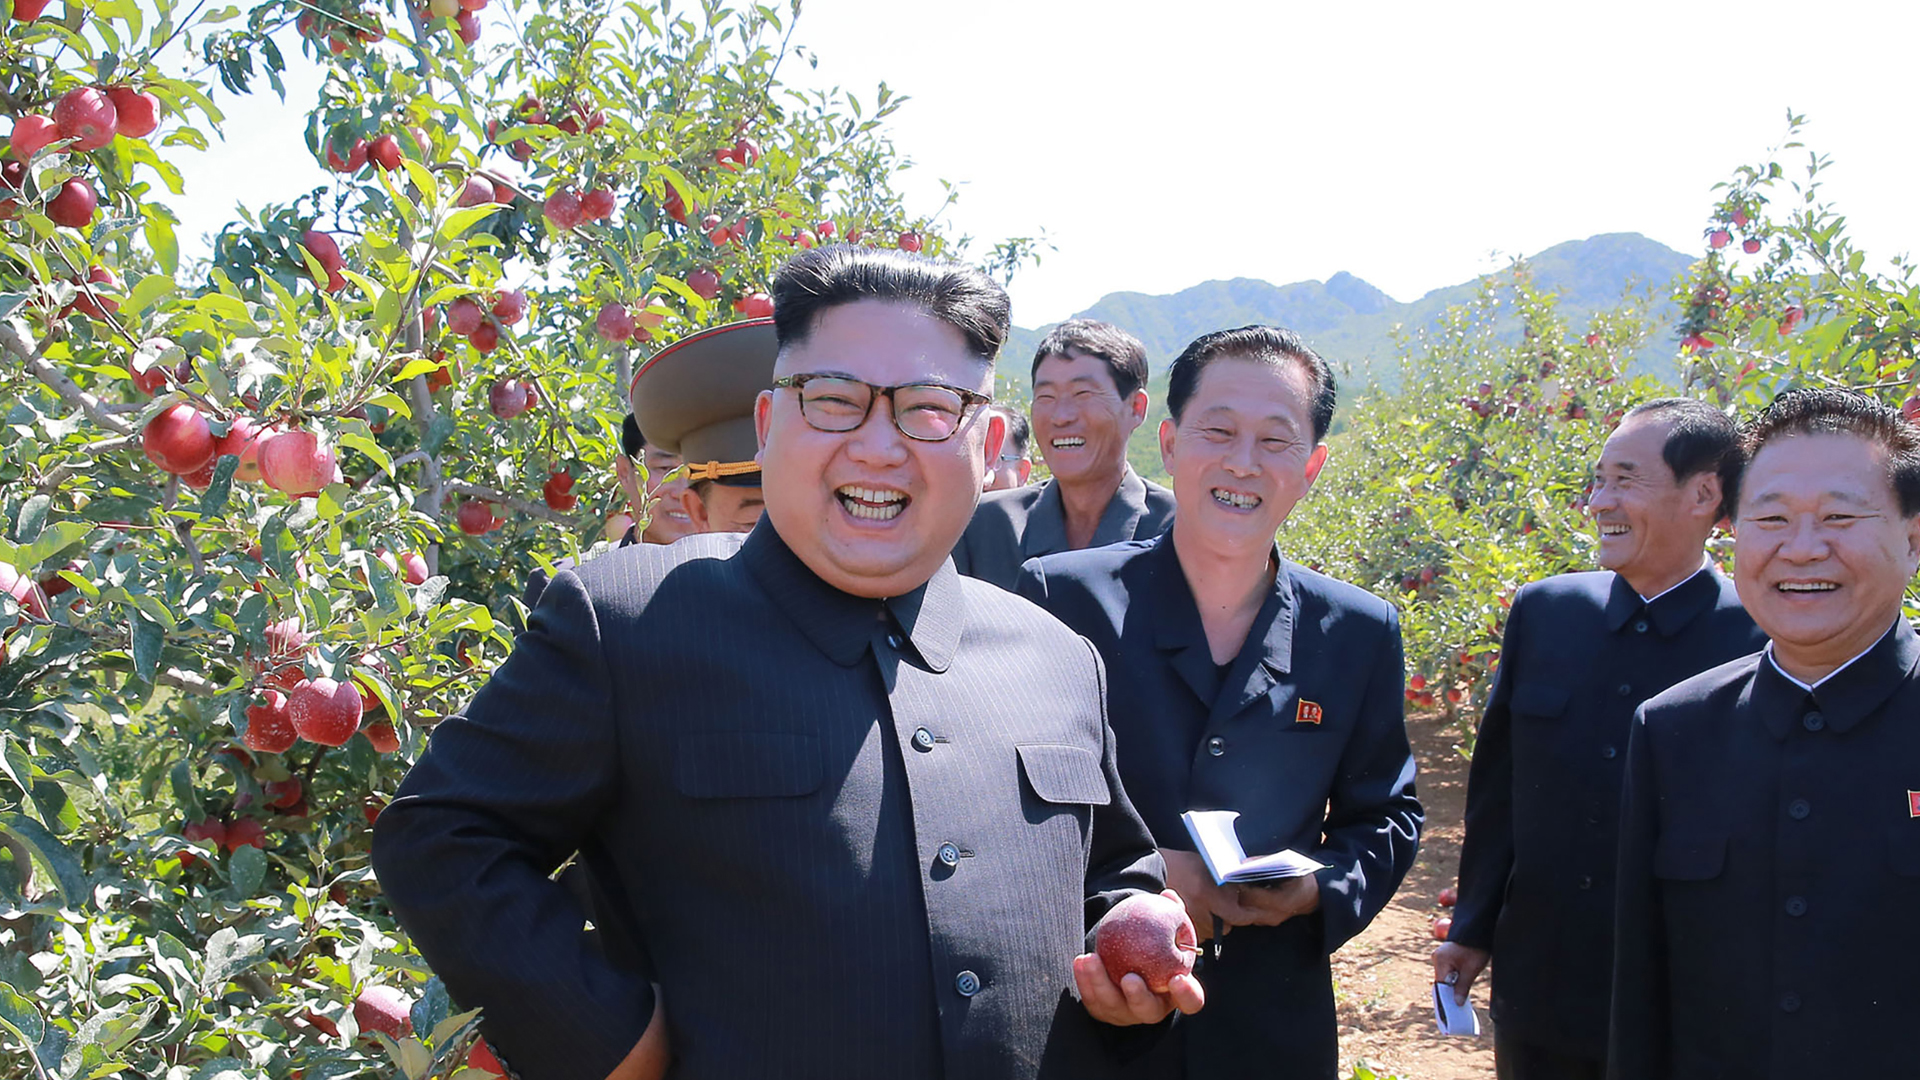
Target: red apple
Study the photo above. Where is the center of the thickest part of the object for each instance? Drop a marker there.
(507, 398)
(371, 806)
(1740, 219)
(415, 566)
(597, 205)
(1719, 238)
(75, 204)
(178, 440)
(562, 209)
(1449, 896)
(480, 1058)
(92, 303)
(558, 492)
(383, 1009)
(675, 207)
(468, 25)
(384, 152)
(475, 517)
(617, 526)
(477, 191)
(22, 588)
(824, 228)
(464, 315)
(325, 711)
(1910, 408)
(31, 134)
(908, 241)
(804, 238)
(704, 283)
(1751, 246)
(283, 794)
(746, 152)
(269, 725)
(242, 440)
(210, 830)
(136, 112)
(356, 157)
(511, 306)
(246, 832)
(382, 735)
(1791, 317)
(295, 462)
(485, 337)
(755, 305)
(1147, 934)
(85, 115)
(1440, 928)
(28, 10)
(613, 322)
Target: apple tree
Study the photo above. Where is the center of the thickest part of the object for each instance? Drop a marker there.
(263, 513)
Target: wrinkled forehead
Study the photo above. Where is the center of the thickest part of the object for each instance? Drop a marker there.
(885, 343)
(1829, 467)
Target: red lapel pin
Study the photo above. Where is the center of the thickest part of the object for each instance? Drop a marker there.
(1309, 713)
(1913, 804)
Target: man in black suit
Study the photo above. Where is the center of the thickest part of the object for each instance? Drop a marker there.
(1770, 843)
(1089, 394)
(862, 810)
(1581, 652)
(1239, 680)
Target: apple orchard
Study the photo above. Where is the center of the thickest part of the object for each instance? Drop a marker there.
(263, 516)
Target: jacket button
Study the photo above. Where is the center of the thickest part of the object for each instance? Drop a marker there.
(1216, 746)
(1798, 809)
(967, 984)
(1789, 1003)
(1586, 881)
(1626, 690)
(893, 640)
(1813, 721)
(949, 855)
(1640, 627)
(923, 740)
(1608, 752)
(1796, 906)
(1593, 817)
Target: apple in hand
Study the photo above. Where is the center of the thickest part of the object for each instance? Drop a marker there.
(1149, 935)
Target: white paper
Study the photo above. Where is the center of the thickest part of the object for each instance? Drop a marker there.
(1453, 1019)
(1219, 846)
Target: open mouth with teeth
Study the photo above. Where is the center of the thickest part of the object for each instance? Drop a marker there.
(1069, 442)
(1608, 528)
(871, 504)
(1235, 499)
(1802, 588)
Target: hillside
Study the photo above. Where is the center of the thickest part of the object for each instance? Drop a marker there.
(1352, 323)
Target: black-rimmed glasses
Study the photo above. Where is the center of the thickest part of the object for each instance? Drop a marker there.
(927, 412)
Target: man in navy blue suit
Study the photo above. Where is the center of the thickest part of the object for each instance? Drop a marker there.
(1581, 652)
(1239, 680)
(1770, 839)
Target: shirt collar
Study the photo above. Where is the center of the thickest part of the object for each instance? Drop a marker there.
(1670, 611)
(1046, 530)
(842, 625)
(1847, 695)
(1177, 617)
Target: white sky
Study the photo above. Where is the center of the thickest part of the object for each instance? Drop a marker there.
(1414, 145)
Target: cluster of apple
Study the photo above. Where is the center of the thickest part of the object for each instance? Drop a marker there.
(180, 440)
(618, 323)
(383, 150)
(87, 118)
(1443, 925)
(565, 209)
(1719, 237)
(466, 22)
(340, 32)
(481, 325)
(475, 517)
(322, 247)
(575, 119)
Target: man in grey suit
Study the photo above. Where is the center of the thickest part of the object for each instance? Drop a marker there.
(1089, 394)
(863, 811)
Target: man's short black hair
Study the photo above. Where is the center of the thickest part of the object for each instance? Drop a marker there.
(1125, 357)
(1271, 344)
(1831, 410)
(1700, 438)
(959, 295)
(1019, 432)
(631, 441)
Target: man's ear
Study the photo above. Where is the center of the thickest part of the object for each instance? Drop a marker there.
(1025, 469)
(762, 420)
(1315, 462)
(696, 509)
(1137, 404)
(996, 438)
(1705, 495)
(1167, 431)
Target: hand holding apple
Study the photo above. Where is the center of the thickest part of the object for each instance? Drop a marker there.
(1150, 940)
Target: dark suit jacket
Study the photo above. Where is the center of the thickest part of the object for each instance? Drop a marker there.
(860, 839)
(1581, 652)
(1010, 527)
(1769, 906)
(1336, 783)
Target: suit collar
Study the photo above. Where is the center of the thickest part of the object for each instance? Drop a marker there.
(1850, 695)
(1267, 654)
(842, 625)
(1046, 531)
(1671, 611)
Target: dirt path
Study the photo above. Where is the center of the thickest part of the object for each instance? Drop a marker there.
(1383, 978)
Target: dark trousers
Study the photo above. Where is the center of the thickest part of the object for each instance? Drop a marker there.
(1514, 1059)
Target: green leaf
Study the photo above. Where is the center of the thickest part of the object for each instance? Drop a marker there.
(19, 1016)
(148, 638)
(33, 516)
(465, 218)
(184, 793)
(226, 1069)
(51, 541)
(10, 303)
(366, 445)
(67, 875)
(215, 499)
(277, 547)
(110, 1030)
(247, 868)
(166, 247)
(228, 951)
(431, 1010)
(144, 295)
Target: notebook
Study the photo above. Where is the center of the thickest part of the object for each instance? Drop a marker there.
(1218, 844)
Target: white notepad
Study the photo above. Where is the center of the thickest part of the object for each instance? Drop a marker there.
(1453, 1018)
(1219, 846)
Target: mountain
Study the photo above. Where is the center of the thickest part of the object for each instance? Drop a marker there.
(1352, 323)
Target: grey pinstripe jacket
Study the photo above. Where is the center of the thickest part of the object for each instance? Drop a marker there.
(856, 838)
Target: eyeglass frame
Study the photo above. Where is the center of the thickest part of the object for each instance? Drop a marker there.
(971, 401)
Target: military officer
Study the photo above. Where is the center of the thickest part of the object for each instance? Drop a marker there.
(694, 399)
(1581, 652)
(1770, 842)
(657, 498)
(1239, 680)
(1089, 394)
(862, 810)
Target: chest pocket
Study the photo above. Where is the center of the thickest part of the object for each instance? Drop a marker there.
(1542, 699)
(746, 764)
(1689, 857)
(1065, 774)
(1903, 850)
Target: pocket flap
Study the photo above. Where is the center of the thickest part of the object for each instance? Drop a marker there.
(1689, 857)
(1541, 698)
(1065, 774)
(746, 764)
(1903, 849)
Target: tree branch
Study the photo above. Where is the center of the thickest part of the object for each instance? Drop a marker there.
(58, 382)
(539, 509)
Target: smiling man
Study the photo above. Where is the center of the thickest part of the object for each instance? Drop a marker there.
(656, 498)
(861, 811)
(1089, 395)
(1581, 652)
(1242, 681)
(1770, 843)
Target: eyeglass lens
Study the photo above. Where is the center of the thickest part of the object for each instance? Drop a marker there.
(929, 412)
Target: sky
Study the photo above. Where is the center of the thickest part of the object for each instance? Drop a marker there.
(1158, 146)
